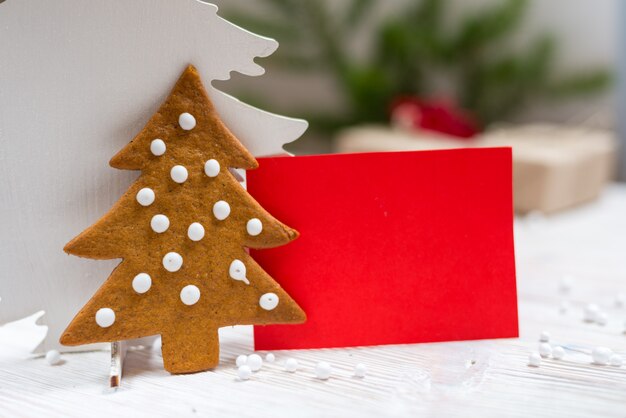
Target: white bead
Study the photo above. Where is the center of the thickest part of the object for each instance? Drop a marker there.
(244, 372)
(615, 361)
(534, 359)
(53, 357)
(241, 360)
(145, 196)
(254, 227)
(323, 370)
(195, 232)
(360, 370)
(558, 352)
(269, 357)
(591, 312)
(255, 362)
(187, 121)
(179, 174)
(544, 337)
(601, 355)
(237, 271)
(545, 350)
(142, 283)
(221, 210)
(212, 168)
(291, 365)
(160, 223)
(172, 262)
(268, 301)
(602, 318)
(105, 317)
(190, 295)
(157, 147)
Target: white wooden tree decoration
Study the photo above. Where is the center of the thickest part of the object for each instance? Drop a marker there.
(76, 81)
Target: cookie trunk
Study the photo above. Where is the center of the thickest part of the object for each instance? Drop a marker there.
(187, 351)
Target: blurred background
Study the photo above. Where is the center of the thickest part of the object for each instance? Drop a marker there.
(382, 75)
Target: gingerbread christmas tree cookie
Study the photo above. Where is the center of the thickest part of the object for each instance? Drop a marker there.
(182, 230)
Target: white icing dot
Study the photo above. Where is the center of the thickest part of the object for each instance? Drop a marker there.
(179, 174)
(172, 262)
(323, 370)
(195, 232)
(105, 317)
(360, 370)
(221, 210)
(601, 355)
(241, 360)
(145, 196)
(142, 283)
(255, 362)
(291, 365)
(157, 147)
(212, 168)
(53, 357)
(159, 223)
(545, 350)
(244, 372)
(187, 121)
(254, 227)
(534, 359)
(269, 301)
(190, 295)
(558, 352)
(237, 271)
(270, 357)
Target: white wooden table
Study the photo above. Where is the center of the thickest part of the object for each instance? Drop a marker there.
(478, 378)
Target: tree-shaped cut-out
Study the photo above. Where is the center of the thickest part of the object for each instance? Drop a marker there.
(182, 230)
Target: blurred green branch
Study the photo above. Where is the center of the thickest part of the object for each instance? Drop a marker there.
(411, 50)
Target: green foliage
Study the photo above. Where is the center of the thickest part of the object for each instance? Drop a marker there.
(411, 49)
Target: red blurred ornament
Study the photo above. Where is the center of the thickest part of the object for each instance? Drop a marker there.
(441, 116)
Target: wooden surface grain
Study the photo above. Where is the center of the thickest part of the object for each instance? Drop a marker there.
(476, 378)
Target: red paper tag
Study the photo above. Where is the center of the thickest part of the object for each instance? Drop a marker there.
(402, 247)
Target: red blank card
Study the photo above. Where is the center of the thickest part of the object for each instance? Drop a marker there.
(402, 247)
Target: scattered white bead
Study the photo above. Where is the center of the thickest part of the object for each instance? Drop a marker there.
(53, 357)
(601, 355)
(212, 168)
(221, 210)
(255, 362)
(254, 227)
(237, 271)
(291, 365)
(620, 300)
(159, 223)
(534, 359)
(187, 121)
(145, 196)
(565, 284)
(360, 370)
(545, 350)
(105, 317)
(591, 312)
(269, 357)
(179, 174)
(157, 147)
(558, 352)
(142, 283)
(602, 318)
(268, 301)
(195, 232)
(323, 370)
(544, 337)
(241, 360)
(172, 262)
(244, 372)
(615, 361)
(190, 295)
